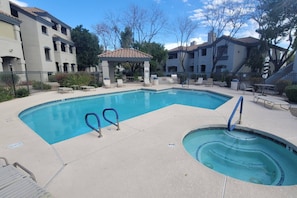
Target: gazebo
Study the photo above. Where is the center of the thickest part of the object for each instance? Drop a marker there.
(111, 58)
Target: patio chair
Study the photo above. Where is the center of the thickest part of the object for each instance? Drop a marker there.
(246, 87)
(106, 83)
(120, 82)
(17, 181)
(199, 81)
(209, 82)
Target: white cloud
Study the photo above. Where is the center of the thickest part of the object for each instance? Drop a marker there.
(20, 3)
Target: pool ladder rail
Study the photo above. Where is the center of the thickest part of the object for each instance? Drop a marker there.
(239, 102)
(117, 124)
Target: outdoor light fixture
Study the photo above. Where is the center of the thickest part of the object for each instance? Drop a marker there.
(12, 78)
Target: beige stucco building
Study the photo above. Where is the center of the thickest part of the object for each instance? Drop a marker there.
(11, 52)
(40, 43)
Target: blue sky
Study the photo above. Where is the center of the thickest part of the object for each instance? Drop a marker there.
(91, 12)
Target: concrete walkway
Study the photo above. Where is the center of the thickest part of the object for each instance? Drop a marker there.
(145, 158)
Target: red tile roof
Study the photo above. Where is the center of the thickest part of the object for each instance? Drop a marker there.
(125, 53)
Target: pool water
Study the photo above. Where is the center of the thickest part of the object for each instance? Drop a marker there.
(64, 119)
(243, 155)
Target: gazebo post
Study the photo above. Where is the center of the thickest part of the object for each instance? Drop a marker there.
(105, 69)
(146, 68)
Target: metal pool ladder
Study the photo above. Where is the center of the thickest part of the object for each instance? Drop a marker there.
(117, 124)
(240, 101)
(98, 122)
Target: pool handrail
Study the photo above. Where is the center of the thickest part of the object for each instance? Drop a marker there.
(117, 124)
(98, 121)
(240, 101)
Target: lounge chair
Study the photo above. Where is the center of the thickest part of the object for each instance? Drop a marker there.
(120, 82)
(270, 102)
(209, 82)
(199, 81)
(106, 83)
(65, 89)
(87, 88)
(17, 181)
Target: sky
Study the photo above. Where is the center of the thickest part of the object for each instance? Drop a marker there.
(88, 13)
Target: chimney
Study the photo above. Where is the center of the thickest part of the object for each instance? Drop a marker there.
(193, 43)
(211, 37)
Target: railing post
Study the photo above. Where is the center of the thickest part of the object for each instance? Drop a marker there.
(240, 101)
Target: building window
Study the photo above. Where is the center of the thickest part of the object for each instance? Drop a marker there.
(172, 56)
(44, 29)
(14, 13)
(55, 46)
(202, 68)
(54, 25)
(191, 55)
(47, 54)
(70, 50)
(63, 47)
(222, 51)
(203, 52)
(64, 30)
(57, 67)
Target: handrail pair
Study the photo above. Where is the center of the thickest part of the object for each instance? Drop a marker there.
(98, 120)
(239, 102)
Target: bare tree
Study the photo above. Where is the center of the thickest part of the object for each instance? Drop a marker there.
(145, 23)
(224, 17)
(184, 30)
(108, 32)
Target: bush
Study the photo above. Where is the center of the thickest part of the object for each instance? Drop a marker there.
(41, 86)
(291, 93)
(281, 85)
(79, 79)
(7, 79)
(22, 92)
(5, 94)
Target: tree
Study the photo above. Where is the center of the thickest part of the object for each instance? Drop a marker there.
(225, 17)
(87, 47)
(277, 21)
(126, 38)
(145, 24)
(184, 30)
(158, 52)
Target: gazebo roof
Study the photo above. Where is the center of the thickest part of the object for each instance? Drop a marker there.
(125, 54)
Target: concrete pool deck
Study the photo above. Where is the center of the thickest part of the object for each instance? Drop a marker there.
(146, 157)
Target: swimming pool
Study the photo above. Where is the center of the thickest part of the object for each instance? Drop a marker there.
(244, 155)
(60, 120)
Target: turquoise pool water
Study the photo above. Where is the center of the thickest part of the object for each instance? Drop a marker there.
(243, 155)
(61, 120)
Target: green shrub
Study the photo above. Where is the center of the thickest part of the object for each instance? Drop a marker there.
(8, 79)
(281, 85)
(291, 93)
(21, 92)
(80, 79)
(40, 86)
(52, 78)
(5, 94)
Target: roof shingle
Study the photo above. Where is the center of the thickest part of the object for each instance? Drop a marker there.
(125, 53)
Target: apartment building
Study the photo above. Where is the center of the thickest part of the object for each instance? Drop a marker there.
(215, 56)
(11, 52)
(46, 42)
